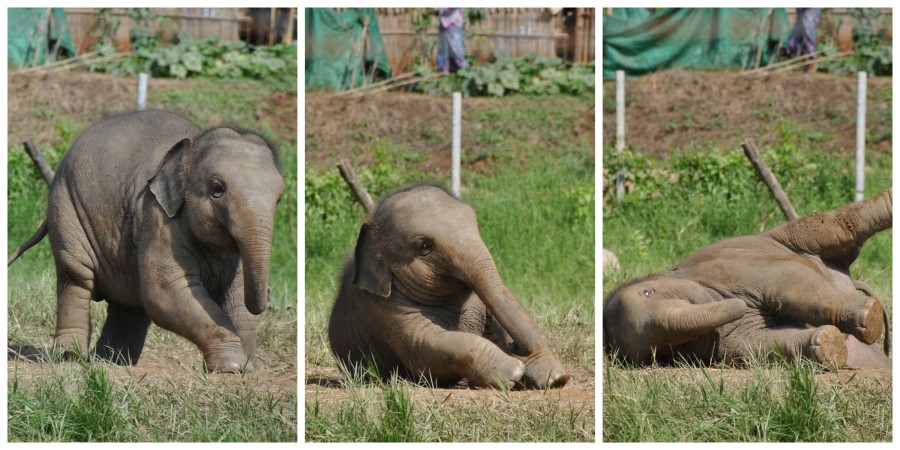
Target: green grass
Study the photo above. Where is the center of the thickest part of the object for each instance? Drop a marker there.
(72, 404)
(535, 212)
(679, 204)
(80, 403)
(767, 402)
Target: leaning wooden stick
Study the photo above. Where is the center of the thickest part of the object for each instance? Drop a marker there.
(39, 160)
(780, 197)
(349, 176)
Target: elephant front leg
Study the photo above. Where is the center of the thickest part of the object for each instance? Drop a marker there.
(244, 322)
(183, 306)
(449, 356)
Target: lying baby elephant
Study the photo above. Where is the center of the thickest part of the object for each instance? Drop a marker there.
(420, 295)
(787, 288)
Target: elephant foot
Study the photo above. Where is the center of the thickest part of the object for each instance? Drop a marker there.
(867, 322)
(506, 376)
(545, 372)
(227, 362)
(71, 346)
(826, 347)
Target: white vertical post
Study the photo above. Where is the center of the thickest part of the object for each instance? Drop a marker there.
(457, 136)
(620, 110)
(142, 92)
(860, 135)
(620, 131)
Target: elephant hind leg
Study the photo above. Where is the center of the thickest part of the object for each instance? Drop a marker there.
(824, 344)
(123, 335)
(74, 292)
(864, 319)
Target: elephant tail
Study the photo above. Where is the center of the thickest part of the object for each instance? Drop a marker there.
(34, 239)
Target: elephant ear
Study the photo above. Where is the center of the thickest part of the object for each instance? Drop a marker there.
(167, 184)
(371, 273)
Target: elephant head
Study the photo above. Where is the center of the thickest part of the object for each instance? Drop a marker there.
(652, 313)
(225, 184)
(422, 245)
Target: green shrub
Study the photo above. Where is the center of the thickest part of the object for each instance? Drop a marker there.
(525, 75)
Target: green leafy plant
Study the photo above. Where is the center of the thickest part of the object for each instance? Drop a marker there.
(872, 49)
(526, 75)
(212, 57)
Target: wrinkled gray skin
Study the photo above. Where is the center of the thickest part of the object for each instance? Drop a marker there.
(170, 225)
(420, 295)
(788, 288)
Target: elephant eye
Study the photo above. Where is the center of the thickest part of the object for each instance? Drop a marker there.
(217, 188)
(424, 247)
(648, 292)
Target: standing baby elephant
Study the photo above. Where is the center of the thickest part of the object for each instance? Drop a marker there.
(420, 295)
(167, 223)
(788, 289)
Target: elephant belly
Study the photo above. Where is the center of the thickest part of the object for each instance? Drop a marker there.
(118, 285)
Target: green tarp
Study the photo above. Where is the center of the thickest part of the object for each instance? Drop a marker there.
(32, 33)
(343, 48)
(639, 41)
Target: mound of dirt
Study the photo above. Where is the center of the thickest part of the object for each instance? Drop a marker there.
(35, 100)
(346, 127)
(678, 110)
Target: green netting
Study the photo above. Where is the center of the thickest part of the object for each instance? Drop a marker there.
(32, 33)
(639, 41)
(343, 48)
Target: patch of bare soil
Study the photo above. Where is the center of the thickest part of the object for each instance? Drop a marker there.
(675, 110)
(737, 377)
(169, 366)
(324, 385)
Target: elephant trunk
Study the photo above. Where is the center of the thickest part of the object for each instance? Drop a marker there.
(509, 312)
(481, 275)
(255, 247)
(677, 325)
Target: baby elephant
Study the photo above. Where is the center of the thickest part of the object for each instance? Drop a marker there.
(421, 296)
(168, 223)
(788, 288)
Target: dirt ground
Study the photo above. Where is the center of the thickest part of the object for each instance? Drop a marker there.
(35, 103)
(675, 110)
(173, 367)
(324, 385)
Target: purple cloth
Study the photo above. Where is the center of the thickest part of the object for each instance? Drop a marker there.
(803, 37)
(451, 54)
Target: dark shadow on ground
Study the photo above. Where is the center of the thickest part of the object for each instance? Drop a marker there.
(25, 352)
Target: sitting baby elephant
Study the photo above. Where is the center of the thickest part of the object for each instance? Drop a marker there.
(420, 295)
(787, 288)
